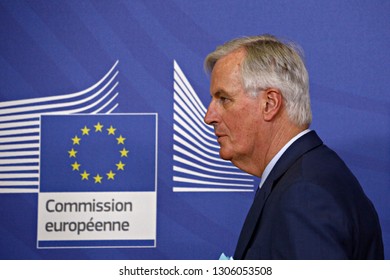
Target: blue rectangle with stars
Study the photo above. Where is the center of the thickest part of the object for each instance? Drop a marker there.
(98, 153)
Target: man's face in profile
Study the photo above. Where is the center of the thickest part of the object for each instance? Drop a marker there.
(234, 114)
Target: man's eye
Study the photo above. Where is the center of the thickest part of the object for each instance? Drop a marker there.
(223, 99)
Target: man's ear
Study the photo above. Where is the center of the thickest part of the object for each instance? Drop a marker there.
(272, 103)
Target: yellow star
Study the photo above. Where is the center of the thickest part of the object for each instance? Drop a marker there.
(85, 130)
(84, 175)
(98, 179)
(72, 153)
(120, 165)
(124, 152)
(76, 140)
(110, 175)
(121, 140)
(76, 166)
(98, 127)
(111, 130)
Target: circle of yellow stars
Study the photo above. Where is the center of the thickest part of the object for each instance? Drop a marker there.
(98, 178)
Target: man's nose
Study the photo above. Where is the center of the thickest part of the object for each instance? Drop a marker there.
(210, 117)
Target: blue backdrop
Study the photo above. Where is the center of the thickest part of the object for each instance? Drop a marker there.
(50, 50)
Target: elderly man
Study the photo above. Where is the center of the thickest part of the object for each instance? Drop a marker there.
(309, 205)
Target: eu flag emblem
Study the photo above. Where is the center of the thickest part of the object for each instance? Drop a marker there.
(112, 153)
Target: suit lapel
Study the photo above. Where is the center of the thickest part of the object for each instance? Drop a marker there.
(297, 149)
(252, 219)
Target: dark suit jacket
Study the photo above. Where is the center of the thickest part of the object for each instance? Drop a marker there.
(310, 207)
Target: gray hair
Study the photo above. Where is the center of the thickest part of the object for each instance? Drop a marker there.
(271, 63)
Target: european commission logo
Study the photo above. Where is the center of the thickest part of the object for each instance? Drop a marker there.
(98, 181)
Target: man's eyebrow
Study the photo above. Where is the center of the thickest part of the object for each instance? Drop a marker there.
(217, 93)
(220, 92)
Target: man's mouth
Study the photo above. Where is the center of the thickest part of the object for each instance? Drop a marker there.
(219, 136)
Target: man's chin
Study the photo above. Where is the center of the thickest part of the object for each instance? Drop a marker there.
(225, 155)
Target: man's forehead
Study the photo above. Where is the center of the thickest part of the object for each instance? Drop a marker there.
(227, 70)
(233, 58)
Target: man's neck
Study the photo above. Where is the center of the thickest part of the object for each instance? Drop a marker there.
(278, 138)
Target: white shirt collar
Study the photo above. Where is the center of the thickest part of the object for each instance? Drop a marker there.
(275, 159)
